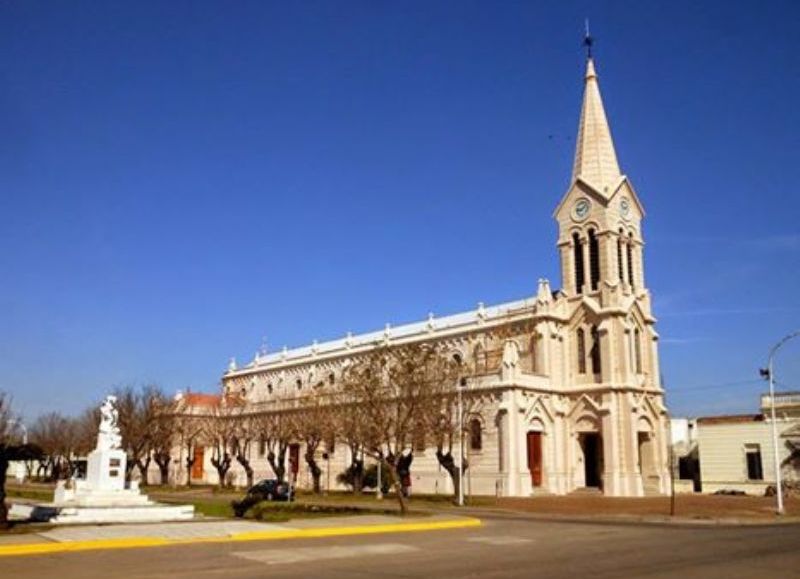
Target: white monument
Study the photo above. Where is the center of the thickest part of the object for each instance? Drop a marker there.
(102, 497)
(106, 463)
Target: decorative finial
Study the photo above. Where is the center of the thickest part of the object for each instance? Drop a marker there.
(588, 40)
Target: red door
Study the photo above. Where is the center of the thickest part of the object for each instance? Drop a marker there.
(535, 457)
(197, 465)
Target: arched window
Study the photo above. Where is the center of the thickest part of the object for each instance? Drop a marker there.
(577, 247)
(595, 352)
(581, 351)
(620, 271)
(331, 379)
(299, 384)
(630, 259)
(457, 359)
(637, 348)
(594, 260)
(475, 434)
(269, 388)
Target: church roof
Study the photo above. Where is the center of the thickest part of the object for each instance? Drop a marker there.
(464, 321)
(595, 157)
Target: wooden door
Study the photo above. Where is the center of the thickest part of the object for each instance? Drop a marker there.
(535, 457)
(197, 465)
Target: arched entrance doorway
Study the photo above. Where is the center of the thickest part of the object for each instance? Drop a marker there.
(535, 462)
(590, 441)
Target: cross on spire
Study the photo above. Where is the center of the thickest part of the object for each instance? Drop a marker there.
(588, 40)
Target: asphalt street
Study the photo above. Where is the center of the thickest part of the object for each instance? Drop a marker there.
(500, 548)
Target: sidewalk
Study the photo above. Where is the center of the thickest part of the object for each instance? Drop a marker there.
(128, 536)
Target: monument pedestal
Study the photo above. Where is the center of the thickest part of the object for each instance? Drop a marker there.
(105, 469)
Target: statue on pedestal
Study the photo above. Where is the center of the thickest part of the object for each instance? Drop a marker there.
(108, 437)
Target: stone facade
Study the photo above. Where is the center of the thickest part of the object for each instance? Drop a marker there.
(568, 379)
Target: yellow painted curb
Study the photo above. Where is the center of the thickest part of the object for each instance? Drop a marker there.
(143, 542)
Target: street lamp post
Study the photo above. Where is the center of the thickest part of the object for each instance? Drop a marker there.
(770, 374)
(459, 389)
(21, 425)
(379, 491)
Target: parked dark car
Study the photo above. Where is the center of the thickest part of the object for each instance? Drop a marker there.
(265, 490)
(272, 490)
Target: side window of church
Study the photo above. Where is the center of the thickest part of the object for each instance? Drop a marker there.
(752, 453)
(581, 351)
(475, 435)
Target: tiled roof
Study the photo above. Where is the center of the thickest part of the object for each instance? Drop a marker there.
(731, 419)
(199, 399)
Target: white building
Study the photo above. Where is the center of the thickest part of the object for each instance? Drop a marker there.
(569, 379)
(737, 452)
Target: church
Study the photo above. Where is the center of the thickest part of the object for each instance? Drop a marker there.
(568, 379)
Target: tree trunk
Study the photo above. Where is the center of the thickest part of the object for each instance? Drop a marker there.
(162, 459)
(391, 468)
(143, 466)
(189, 465)
(448, 463)
(248, 470)
(277, 464)
(222, 470)
(3, 508)
(316, 471)
(357, 467)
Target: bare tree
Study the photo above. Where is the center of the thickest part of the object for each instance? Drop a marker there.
(245, 432)
(314, 425)
(442, 418)
(163, 430)
(188, 430)
(395, 388)
(11, 448)
(277, 430)
(85, 430)
(348, 424)
(57, 436)
(134, 426)
(218, 432)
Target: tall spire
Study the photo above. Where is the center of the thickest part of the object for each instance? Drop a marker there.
(595, 158)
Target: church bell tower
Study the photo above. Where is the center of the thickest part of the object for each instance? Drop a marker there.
(600, 216)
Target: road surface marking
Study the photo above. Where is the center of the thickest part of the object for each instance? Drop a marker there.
(300, 555)
(500, 540)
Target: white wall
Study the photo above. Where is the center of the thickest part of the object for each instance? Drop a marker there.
(723, 463)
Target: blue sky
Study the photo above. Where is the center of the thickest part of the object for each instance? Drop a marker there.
(181, 179)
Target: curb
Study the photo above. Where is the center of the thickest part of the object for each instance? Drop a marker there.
(312, 533)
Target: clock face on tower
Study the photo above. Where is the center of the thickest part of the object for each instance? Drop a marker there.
(625, 208)
(581, 209)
